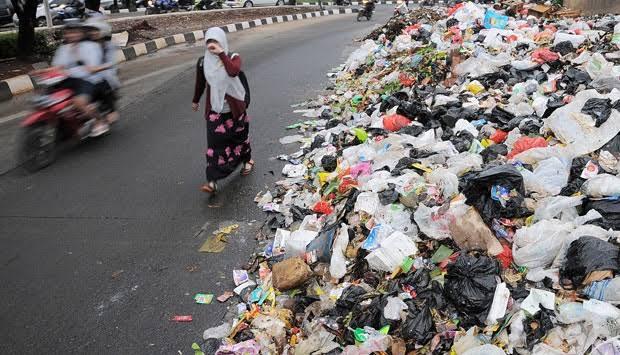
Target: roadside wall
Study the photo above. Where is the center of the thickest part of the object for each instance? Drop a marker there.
(589, 7)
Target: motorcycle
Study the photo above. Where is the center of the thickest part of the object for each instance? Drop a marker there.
(161, 7)
(401, 8)
(207, 5)
(54, 119)
(367, 10)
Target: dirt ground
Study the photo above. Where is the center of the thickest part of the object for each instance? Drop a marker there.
(144, 29)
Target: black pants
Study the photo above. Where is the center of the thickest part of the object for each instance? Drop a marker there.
(106, 95)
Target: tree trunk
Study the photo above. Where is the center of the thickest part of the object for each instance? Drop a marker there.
(26, 11)
(132, 6)
(93, 5)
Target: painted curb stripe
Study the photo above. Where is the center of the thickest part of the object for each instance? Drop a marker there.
(130, 53)
(169, 40)
(140, 49)
(189, 37)
(151, 46)
(5, 91)
(161, 43)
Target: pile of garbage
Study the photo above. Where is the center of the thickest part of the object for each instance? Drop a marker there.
(456, 191)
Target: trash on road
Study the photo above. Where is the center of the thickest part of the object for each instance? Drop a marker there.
(456, 190)
(216, 242)
(203, 298)
(181, 319)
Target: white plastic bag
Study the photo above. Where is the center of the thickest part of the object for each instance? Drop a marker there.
(447, 181)
(569, 126)
(464, 125)
(393, 308)
(602, 185)
(538, 245)
(486, 349)
(551, 207)
(367, 202)
(464, 162)
(338, 266)
(549, 176)
(431, 223)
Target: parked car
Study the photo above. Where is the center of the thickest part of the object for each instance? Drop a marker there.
(40, 16)
(251, 3)
(6, 12)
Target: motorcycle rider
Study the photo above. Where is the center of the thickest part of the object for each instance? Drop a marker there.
(76, 57)
(105, 91)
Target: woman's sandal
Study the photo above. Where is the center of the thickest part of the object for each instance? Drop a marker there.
(209, 187)
(247, 168)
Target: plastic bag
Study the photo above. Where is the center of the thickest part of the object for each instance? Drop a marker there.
(470, 284)
(338, 266)
(393, 308)
(551, 207)
(432, 222)
(602, 185)
(598, 109)
(499, 304)
(608, 208)
(464, 162)
(367, 202)
(538, 245)
(419, 325)
(446, 181)
(588, 254)
(572, 128)
(544, 55)
(479, 187)
(395, 122)
(486, 349)
(549, 177)
(493, 19)
(525, 143)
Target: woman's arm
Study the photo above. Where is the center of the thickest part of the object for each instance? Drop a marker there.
(232, 65)
(199, 87)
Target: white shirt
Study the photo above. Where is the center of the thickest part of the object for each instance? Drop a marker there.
(75, 56)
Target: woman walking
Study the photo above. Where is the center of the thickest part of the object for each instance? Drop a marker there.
(228, 142)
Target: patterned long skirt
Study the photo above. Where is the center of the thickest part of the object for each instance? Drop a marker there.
(228, 144)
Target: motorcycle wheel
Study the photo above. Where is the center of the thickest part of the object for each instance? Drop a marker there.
(37, 146)
(359, 16)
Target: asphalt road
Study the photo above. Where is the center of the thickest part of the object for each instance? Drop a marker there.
(99, 250)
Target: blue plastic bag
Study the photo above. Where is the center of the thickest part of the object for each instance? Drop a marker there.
(493, 19)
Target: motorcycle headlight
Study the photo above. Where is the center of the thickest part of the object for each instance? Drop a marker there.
(150, 2)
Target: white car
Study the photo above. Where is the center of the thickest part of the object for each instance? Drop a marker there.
(251, 3)
(40, 16)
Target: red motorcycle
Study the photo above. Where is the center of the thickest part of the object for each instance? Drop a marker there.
(55, 119)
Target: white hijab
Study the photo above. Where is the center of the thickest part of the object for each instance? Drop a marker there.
(220, 82)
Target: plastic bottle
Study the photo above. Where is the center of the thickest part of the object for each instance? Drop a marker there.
(606, 290)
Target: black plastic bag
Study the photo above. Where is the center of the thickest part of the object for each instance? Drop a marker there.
(613, 146)
(388, 197)
(412, 130)
(317, 142)
(403, 163)
(588, 254)
(462, 141)
(573, 78)
(574, 179)
(598, 109)
(492, 152)
(419, 325)
(502, 118)
(451, 116)
(470, 285)
(536, 327)
(608, 208)
(563, 48)
(477, 188)
(428, 292)
(530, 126)
(329, 163)
(351, 296)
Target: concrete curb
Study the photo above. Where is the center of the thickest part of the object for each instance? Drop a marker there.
(23, 83)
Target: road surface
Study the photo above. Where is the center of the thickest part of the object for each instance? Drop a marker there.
(99, 250)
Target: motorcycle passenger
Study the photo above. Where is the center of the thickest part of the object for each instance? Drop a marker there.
(369, 6)
(105, 91)
(76, 56)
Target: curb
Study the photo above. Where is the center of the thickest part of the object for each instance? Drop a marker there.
(14, 86)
